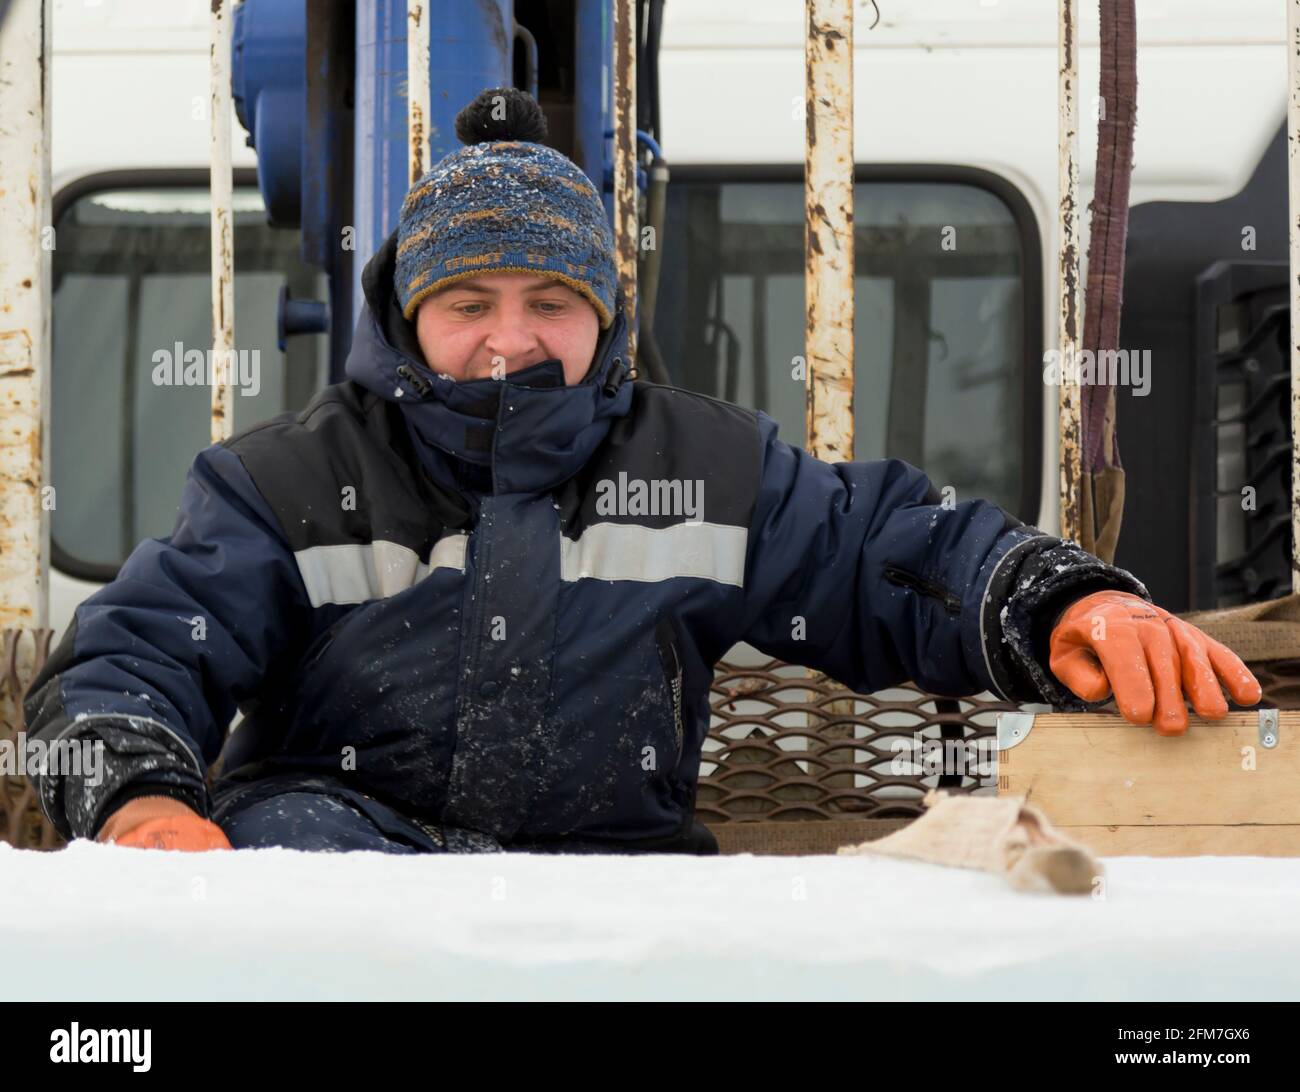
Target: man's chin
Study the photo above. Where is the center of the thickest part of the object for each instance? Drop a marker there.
(490, 374)
(471, 374)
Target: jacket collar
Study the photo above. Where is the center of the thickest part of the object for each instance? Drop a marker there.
(529, 432)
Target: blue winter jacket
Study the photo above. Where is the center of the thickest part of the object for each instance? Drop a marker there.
(496, 605)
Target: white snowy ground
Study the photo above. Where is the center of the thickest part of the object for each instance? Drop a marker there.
(101, 922)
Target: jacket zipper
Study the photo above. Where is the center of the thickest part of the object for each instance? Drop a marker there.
(926, 587)
(326, 637)
(672, 664)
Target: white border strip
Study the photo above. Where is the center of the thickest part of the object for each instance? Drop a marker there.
(621, 551)
(359, 572)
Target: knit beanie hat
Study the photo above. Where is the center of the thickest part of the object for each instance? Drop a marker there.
(504, 203)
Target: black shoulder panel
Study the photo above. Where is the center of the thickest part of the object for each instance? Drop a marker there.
(674, 446)
(343, 471)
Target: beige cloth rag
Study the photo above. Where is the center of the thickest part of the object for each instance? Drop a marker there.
(1007, 836)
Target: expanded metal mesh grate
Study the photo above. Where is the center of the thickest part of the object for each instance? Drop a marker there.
(21, 822)
(1280, 682)
(788, 744)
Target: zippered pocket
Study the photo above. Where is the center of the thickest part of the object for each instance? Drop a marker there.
(670, 657)
(905, 579)
(322, 643)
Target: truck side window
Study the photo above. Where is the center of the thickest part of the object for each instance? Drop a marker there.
(948, 323)
(130, 398)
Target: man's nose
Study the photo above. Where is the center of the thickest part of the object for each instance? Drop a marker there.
(511, 338)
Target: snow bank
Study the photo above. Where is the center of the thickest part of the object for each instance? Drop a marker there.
(101, 922)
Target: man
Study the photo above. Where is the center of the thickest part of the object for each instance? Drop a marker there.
(471, 598)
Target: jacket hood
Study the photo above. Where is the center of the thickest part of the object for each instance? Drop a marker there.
(529, 431)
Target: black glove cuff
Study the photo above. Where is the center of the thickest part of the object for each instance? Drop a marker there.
(1049, 575)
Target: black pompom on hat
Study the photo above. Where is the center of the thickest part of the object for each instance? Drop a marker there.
(501, 113)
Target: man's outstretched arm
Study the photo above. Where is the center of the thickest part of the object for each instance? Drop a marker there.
(154, 664)
(860, 570)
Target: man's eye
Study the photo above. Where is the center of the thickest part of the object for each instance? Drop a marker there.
(557, 307)
(462, 310)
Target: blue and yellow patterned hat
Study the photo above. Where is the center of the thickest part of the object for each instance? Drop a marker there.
(504, 203)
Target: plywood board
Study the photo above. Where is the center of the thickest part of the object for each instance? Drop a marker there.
(1122, 789)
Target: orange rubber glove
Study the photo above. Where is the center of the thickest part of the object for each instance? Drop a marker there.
(161, 822)
(1115, 641)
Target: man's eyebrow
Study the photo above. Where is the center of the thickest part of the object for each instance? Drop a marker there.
(546, 282)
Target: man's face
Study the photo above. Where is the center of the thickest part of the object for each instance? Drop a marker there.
(492, 325)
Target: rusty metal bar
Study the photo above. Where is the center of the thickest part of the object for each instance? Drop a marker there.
(417, 88)
(828, 229)
(1293, 204)
(828, 269)
(222, 196)
(1070, 283)
(625, 210)
(25, 499)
